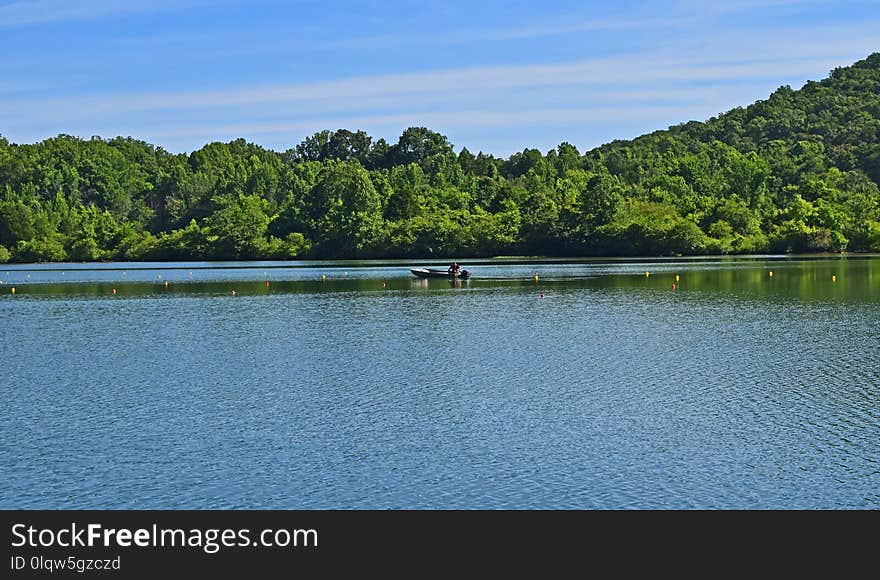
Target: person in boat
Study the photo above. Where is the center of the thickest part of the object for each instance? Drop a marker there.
(454, 269)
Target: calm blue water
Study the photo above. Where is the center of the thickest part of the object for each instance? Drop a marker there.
(736, 390)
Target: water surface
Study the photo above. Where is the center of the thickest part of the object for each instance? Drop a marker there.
(354, 385)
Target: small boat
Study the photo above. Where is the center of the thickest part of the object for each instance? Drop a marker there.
(434, 273)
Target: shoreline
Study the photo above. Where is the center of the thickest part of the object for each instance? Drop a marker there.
(342, 262)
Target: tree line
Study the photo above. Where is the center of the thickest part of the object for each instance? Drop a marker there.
(797, 172)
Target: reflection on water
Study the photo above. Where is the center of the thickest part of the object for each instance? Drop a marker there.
(835, 279)
(339, 385)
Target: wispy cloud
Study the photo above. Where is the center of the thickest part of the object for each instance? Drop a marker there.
(450, 119)
(668, 79)
(535, 29)
(626, 90)
(615, 72)
(24, 12)
(718, 7)
(7, 87)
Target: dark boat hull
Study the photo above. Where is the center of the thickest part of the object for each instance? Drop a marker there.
(432, 273)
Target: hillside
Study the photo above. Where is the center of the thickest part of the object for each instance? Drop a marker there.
(797, 172)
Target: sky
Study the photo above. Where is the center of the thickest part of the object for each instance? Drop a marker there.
(492, 76)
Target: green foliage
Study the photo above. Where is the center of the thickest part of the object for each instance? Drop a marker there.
(15, 223)
(343, 211)
(137, 246)
(43, 250)
(190, 242)
(237, 227)
(651, 228)
(797, 172)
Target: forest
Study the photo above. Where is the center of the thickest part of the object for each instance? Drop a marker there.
(797, 172)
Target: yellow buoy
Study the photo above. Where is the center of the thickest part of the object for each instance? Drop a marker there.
(166, 283)
(833, 278)
(647, 274)
(676, 277)
(13, 289)
(323, 276)
(771, 273)
(536, 276)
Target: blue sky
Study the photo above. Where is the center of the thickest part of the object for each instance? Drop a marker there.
(492, 76)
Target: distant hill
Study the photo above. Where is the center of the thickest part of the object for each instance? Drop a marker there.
(797, 172)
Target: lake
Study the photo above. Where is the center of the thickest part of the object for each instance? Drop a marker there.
(355, 385)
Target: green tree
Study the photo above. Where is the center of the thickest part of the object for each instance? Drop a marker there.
(344, 211)
(15, 223)
(238, 226)
(420, 145)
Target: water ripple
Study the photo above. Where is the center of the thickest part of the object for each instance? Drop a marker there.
(610, 391)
